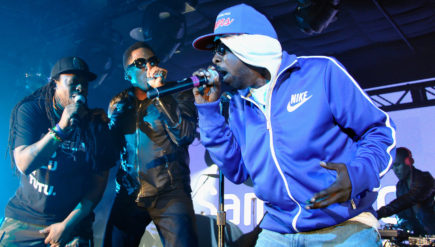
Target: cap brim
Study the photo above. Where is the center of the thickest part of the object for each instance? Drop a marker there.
(87, 74)
(204, 42)
(91, 76)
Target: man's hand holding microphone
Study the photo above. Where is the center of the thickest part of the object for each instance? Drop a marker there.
(210, 91)
(72, 114)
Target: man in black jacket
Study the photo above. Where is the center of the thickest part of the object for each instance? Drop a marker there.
(153, 182)
(415, 193)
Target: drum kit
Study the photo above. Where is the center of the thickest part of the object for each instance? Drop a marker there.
(394, 237)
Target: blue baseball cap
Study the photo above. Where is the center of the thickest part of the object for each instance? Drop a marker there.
(238, 19)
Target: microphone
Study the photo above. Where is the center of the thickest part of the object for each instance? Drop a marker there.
(181, 85)
(79, 99)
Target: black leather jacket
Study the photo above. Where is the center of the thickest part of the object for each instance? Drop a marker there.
(414, 206)
(154, 137)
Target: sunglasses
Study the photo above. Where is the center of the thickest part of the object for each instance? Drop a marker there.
(141, 63)
(220, 49)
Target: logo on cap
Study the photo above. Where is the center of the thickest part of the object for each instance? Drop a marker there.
(223, 22)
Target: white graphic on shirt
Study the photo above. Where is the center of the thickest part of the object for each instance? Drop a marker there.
(297, 100)
(41, 187)
(69, 148)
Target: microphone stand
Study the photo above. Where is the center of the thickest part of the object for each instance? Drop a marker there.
(221, 215)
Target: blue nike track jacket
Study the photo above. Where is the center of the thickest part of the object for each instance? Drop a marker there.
(316, 112)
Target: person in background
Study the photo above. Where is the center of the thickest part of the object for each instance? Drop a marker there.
(313, 143)
(62, 150)
(153, 182)
(415, 196)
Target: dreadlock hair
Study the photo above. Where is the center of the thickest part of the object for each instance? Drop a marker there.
(45, 95)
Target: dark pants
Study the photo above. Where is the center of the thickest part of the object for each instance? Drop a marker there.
(172, 213)
(15, 233)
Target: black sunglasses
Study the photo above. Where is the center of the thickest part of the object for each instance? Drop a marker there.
(220, 49)
(140, 63)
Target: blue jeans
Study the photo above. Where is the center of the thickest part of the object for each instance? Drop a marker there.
(349, 233)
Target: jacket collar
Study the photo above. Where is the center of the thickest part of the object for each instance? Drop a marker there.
(288, 61)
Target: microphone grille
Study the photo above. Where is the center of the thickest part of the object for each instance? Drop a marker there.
(79, 99)
(213, 75)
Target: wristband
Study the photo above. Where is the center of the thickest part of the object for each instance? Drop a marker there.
(55, 136)
(58, 130)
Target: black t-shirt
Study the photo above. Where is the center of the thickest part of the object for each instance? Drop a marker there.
(50, 193)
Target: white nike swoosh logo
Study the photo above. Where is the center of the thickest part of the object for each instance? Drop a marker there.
(291, 108)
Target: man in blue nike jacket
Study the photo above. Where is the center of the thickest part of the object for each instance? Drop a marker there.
(313, 143)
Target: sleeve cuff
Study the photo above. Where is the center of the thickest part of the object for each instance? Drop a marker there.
(208, 113)
(361, 177)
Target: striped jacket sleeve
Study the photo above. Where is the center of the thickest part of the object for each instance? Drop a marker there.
(221, 142)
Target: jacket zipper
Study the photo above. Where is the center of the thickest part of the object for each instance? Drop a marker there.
(272, 148)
